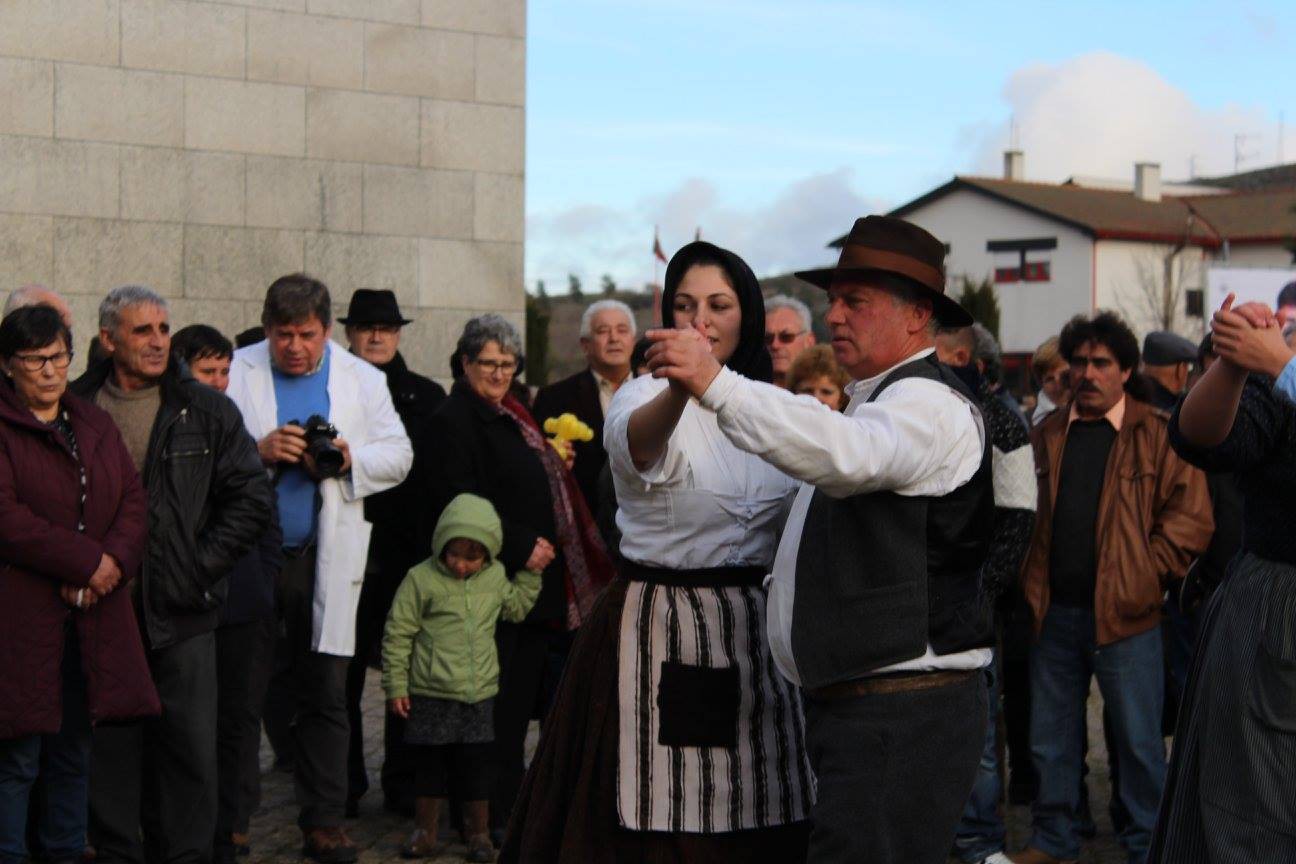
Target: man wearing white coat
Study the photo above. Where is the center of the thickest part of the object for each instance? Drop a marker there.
(281, 385)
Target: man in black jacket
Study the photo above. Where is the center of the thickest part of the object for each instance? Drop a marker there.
(607, 335)
(209, 502)
(373, 331)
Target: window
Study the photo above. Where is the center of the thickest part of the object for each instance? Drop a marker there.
(1025, 271)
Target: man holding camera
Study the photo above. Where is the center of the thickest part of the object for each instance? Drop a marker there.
(327, 431)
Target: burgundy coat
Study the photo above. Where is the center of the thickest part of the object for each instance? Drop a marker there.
(40, 548)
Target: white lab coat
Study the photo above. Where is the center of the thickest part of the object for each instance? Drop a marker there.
(381, 456)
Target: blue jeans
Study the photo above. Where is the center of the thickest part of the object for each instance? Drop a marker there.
(62, 761)
(1131, 678)
(981, 831)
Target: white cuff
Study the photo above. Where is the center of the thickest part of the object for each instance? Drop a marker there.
(721, 389)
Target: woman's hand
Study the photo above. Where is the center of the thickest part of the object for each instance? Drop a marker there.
(106, 576)
(541, 556)
(400, 706)
(78, 598)
(684, 358)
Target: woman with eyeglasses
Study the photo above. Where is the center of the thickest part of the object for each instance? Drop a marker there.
(72, 529)
(487, 443)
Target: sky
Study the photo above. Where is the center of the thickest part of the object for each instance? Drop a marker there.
(770, 125)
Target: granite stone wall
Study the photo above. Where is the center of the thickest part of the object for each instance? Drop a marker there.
(204, 148)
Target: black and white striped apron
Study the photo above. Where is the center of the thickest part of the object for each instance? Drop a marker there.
(711, 619)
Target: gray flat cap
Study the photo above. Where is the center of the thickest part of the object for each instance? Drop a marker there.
(1166, 349)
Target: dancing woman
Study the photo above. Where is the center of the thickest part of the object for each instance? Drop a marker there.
(673, 737)
(1228, 796)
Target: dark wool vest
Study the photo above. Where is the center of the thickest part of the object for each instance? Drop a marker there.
(881, 575)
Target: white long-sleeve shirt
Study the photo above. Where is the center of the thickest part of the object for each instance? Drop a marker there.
(918, 438)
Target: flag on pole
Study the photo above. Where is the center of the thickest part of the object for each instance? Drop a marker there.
(657, 247)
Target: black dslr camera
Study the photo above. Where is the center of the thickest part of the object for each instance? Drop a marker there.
(319, 444)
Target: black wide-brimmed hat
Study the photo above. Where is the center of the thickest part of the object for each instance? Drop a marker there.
(373, 306)
(886, 244)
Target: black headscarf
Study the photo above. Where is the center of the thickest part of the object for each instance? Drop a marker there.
(751, 358)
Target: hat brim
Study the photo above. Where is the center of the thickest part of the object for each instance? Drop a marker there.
(946, 309)
(359, 321)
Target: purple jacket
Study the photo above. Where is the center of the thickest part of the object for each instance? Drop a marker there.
(40, 549)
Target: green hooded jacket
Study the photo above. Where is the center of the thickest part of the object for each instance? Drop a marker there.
(440, 635)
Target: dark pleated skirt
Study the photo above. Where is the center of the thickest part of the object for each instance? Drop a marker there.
(566, 812)
(1230, 796)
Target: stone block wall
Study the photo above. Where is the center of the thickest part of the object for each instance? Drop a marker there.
(204, 147)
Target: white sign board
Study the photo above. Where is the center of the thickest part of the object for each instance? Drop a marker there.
(1260, 284)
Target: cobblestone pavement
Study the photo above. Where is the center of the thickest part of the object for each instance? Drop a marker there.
(276, 840)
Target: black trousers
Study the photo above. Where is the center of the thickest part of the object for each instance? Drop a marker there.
(467, 769)
(243, 656)
(524, 658)
(894, 772)
(153, 782)
(398, 768)
(314, 687)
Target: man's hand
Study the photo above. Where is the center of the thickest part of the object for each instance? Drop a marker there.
(78, 598)
(541, 556)
(683, 357)
(285, 444)
(106, 576)
(308, 462)
(400, 706)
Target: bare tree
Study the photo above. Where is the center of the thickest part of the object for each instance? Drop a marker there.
(1164, 274)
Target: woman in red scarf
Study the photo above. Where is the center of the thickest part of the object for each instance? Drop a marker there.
(485, 442)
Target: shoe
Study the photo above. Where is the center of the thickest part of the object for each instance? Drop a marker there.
(329, 846)
(242, 844)
(427, 824)
(995, 858)
(1031, 855)
(477, 827)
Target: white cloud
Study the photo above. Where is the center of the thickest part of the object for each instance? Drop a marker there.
(1098, 114)
(786, 232)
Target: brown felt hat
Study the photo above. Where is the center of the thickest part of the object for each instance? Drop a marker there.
(885, 244)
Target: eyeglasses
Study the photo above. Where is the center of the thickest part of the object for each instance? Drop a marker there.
(490, 367)
(36, 362)
(783, 337)
(387, 329)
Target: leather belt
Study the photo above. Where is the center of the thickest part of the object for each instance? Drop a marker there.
(902, 682)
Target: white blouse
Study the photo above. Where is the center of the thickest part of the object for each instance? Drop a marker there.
(704, 502)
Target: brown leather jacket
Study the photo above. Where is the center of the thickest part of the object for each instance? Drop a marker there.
(1154, 518)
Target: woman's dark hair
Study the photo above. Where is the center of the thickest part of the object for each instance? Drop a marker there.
(1105, 328)
(751, 358)
(294, 298)
(31, 328)
(199, 342)
(639, 356)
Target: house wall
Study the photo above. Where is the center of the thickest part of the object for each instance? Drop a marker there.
(205, 148)
(1259, 255)
(1130, 276)
(1030, 311)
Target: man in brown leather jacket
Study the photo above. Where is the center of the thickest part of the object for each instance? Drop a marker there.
(1119, 517)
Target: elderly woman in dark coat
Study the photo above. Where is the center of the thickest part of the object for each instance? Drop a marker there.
(487, 443)
(72, 529)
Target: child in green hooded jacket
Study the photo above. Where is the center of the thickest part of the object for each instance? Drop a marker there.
(441, 669)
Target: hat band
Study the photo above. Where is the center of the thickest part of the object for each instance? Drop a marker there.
(856, 257)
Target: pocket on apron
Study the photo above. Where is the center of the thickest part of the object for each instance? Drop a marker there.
(698, 705)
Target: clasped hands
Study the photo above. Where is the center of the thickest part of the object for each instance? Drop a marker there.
(1250, 337)
(683, 357)
(103, 581)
